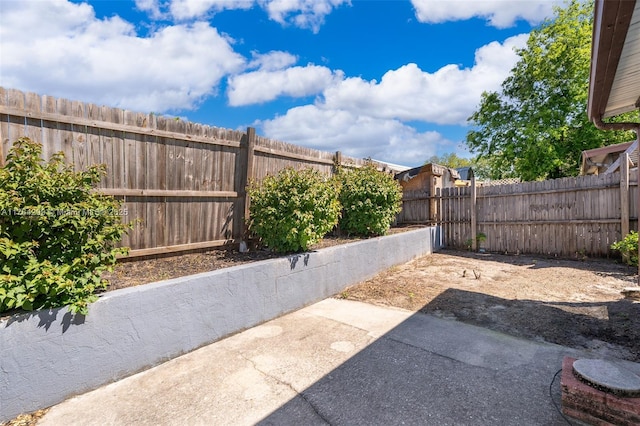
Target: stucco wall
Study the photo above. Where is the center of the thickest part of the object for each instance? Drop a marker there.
(48, 356)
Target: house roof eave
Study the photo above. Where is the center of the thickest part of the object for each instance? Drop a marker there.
(611, 24)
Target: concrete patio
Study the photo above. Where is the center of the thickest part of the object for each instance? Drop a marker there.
(341, 363)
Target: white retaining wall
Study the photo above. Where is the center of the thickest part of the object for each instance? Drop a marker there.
(48, 356)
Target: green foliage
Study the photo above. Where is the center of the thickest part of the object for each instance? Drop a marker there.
(536, 126)
(481, 167)
(294, 209)
(481, 237)
(450, 160)
(628, 247)
(370, 201)
(56, 235)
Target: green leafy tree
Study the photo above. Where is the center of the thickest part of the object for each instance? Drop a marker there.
(450, 160)
(57, 235)
(294, 209)
(537, 125)
(481, 167)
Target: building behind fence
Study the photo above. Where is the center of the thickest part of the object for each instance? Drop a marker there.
(184, 181)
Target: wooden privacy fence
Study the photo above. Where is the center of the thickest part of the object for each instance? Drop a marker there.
(184, 181)
(563, 217)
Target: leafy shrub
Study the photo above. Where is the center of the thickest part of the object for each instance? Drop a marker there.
(481, 237)
(293, 210)
(628, 247)
(370, 200)
(56, 235)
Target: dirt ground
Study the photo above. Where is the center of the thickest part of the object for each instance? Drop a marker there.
(576, 303)
(134, 272)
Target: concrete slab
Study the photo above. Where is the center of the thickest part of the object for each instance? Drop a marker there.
(341, 363)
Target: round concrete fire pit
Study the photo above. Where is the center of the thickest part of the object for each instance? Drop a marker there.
(608, 376)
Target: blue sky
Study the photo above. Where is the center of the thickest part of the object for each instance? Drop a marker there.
(392, 80)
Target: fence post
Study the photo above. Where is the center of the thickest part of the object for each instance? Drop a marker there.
(337, 161)
(442, 218)
(438, 197)
(246, 178)
(624, 195)
(474, 242)
(433, 208)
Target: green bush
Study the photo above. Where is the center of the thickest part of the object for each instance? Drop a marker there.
(293, 210)
(370, 201)
(628, 247)
(56, 235)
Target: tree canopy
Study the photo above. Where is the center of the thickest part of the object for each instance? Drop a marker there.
(480, 166)
(450, 160)
(537, 126)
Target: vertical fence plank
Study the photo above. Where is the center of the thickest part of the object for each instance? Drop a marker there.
(162, 155)
(248, 162)
(194, 167)
(65, 130)
(116, 116)
(94, 143)
(16, 125)
(79, 138)
(107, 148)
(624, 195)
(130, 167)
(473, 210)
(176, 180)
(4, 128)
(115, 143)
(33, 126)
(51, 136)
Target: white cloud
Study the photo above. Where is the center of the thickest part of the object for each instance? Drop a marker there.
(308, 14)
(65, 51)
(152, 7)
(366, 118)
(498, 13)
(447, 96)
(355, 135)
(38, 19)
(274, 60)
(262, 86)
(189, 9)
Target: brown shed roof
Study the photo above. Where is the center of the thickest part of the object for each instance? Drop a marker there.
(599, 160)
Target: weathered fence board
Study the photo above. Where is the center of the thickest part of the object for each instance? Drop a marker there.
(564, 217)
(183, 182)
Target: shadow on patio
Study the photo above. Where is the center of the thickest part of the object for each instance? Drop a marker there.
(428, 370)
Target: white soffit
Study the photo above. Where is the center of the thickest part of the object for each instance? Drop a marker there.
(625, 90)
